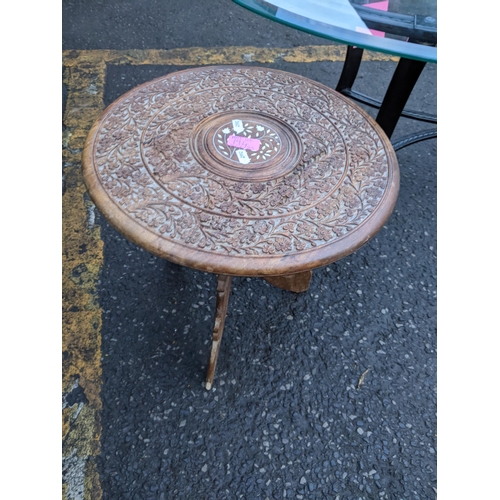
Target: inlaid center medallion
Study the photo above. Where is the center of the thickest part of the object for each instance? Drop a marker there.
(246, 146)
(247, 142)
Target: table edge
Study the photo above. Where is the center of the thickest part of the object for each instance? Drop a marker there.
(204, 261)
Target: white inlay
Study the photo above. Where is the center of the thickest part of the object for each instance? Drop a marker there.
(242, 156)
(238, 126)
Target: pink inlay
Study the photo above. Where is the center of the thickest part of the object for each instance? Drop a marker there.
(243, 142)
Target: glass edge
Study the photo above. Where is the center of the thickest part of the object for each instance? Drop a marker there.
(409, 54)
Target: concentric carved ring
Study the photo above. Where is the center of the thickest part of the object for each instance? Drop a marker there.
(269, 148)
(241, 170)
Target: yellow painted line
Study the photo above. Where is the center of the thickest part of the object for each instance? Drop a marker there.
(224, 55)
(84, 75)
(82, 261)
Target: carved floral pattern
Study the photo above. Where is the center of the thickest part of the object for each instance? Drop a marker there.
(143, 160)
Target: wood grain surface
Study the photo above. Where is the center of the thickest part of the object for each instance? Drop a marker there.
(240, 170)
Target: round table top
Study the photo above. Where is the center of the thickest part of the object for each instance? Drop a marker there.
(241, 170)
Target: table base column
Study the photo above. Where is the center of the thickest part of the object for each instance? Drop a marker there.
(298, 282)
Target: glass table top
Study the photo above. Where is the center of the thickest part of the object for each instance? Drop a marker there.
(406, 28)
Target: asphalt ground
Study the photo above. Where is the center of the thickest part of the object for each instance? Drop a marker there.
(326, 394)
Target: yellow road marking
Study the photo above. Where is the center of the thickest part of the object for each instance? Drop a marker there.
(84, 75)
(224, 55)
(82, 261)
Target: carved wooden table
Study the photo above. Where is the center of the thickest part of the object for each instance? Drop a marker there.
(241, 171)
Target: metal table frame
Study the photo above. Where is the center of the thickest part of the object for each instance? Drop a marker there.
(392, 107)
(416, 29)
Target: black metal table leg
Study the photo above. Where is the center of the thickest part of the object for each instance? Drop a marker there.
(350, 69)
(404, 79)
(392, 107)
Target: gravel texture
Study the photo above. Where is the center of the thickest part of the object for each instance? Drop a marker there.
(166, 24)
(326, 394)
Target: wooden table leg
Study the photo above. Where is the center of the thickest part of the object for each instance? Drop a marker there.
(223, 289)
(298, 282)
